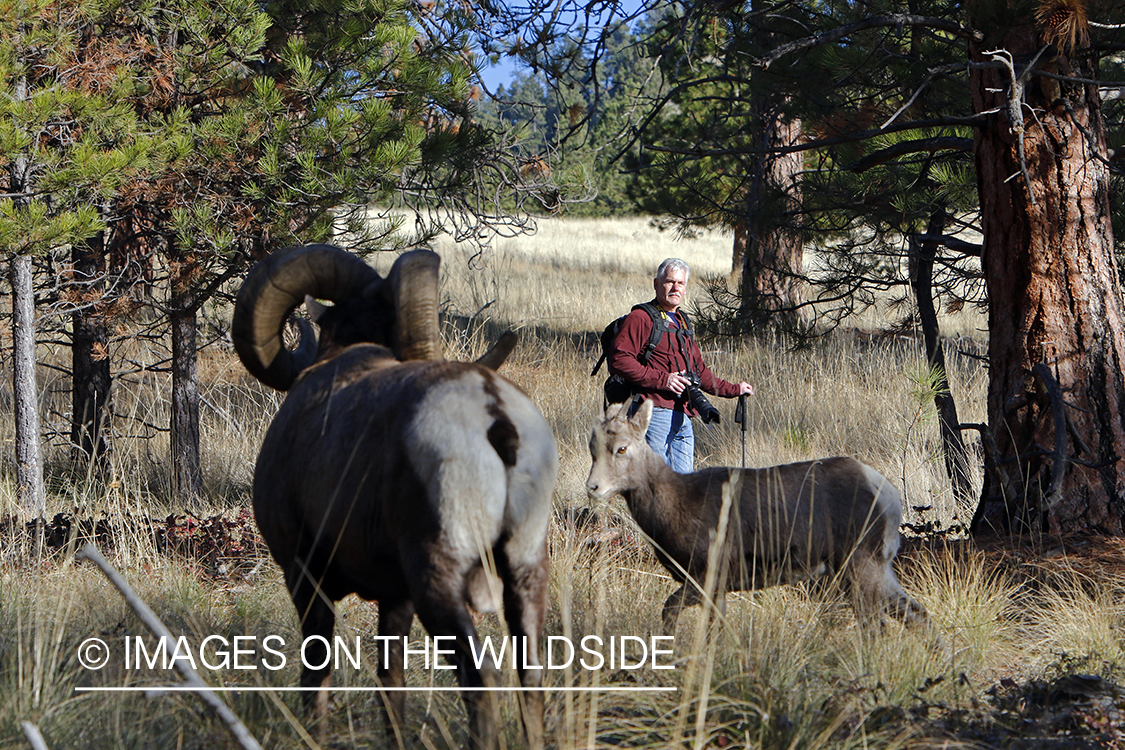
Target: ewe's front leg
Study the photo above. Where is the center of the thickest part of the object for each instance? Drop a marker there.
(876, 591)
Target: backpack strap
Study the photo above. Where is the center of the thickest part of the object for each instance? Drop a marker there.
(659, 326)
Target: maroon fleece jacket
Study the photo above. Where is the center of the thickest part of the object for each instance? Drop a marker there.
(668, 357)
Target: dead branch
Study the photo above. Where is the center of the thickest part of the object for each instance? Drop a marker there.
(969, 249)
(933, 73)
(191, 677)
(34, 736)
(1014, 109)
(933, 122)
(1000, 479)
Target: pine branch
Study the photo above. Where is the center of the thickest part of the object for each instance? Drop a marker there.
(897, 20)
(930, 145)
(825, 142)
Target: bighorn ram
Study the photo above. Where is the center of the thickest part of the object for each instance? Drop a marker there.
(393, 474)
(793, 522)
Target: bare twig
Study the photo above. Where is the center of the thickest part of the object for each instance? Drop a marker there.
(191, 677)
(34, 736)
(1081, 449)
(929, 77)
(934, 122)
(1015, 105)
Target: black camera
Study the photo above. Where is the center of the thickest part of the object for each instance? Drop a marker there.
(707, 411)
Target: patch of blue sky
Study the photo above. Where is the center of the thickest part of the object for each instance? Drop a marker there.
(582, 21)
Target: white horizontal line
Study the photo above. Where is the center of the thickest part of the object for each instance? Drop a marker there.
(254, 689)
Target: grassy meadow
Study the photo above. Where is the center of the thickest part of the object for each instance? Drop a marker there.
(1026, 644)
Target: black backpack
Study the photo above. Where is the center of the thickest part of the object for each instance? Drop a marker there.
(616, 389)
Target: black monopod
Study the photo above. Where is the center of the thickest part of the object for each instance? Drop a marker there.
(740, 419)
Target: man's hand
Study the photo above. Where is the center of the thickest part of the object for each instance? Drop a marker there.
(745, 389)
(677, 382)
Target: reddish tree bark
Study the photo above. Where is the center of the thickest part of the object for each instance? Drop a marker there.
(768, 257)
(1054, 294)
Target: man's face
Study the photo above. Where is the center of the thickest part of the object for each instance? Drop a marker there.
(670, 289)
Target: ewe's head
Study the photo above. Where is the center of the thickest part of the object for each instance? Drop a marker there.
(399, 312)
(618, 450)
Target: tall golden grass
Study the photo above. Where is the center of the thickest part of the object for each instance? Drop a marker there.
(789, 667)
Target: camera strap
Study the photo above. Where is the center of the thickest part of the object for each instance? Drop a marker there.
(684, 335)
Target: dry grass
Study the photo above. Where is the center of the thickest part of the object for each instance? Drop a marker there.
(785, 668)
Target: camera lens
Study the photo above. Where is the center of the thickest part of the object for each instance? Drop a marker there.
(707, 411)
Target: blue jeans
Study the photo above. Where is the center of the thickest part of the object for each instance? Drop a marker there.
(671, 436)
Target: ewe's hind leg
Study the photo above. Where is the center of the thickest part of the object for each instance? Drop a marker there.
(687, 595)
(876, 591)
(525, 608)
(395, 619)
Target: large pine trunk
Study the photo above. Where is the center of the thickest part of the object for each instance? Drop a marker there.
(187, 470)
(768, 256)
(90, 372)
(1054, 453)
(30, 490)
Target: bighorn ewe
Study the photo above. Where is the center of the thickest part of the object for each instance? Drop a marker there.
(393, 474)
(792, 522)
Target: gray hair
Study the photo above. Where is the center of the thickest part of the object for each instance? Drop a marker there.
(669, 264)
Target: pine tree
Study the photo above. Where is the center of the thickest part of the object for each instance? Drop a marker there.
(575, 117)
(283, 122)
(61, 154)
(173, 144)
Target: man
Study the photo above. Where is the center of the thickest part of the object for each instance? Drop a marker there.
(662, 374)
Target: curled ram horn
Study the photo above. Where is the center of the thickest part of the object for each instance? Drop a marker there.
(273, 289)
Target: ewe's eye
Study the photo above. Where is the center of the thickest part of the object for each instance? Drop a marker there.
(621, 450)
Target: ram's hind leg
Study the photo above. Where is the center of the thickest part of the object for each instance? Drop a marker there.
(395, 618)
(439, 582)
(318, 618)
(524, 573)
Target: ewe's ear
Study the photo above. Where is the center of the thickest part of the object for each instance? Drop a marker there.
(643, 416)
(498, 352)
(614, 410)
